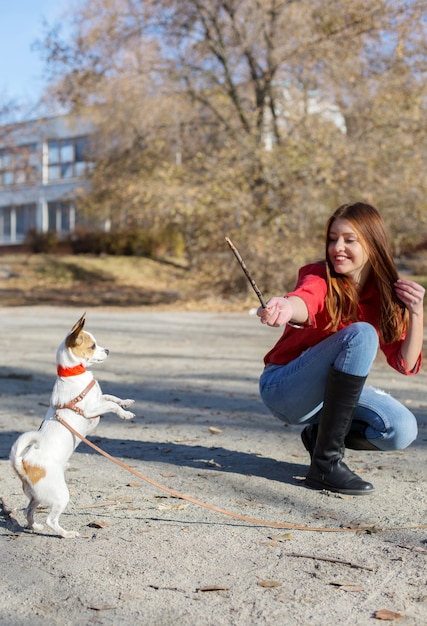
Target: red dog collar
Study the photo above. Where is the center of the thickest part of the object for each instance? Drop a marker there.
(70, 371)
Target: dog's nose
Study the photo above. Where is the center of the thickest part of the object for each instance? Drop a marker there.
(106, 350)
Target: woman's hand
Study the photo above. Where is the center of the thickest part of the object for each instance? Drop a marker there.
(278, 312)
(411, 294)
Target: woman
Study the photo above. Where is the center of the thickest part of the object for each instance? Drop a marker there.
(339, 313)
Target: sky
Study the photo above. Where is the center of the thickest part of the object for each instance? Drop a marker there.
(21, 66)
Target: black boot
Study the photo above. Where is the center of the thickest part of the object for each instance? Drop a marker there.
(309, 436)
(327, 469)
(356, 438)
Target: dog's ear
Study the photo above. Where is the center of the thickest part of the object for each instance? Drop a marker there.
(73, 338)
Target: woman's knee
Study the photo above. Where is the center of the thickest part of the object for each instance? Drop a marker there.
(366, 335)
(359, 348)
(391, 426)
(403, 432)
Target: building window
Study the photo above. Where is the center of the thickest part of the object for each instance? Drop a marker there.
(7, 224)
(67, 158)
(18, 165)
(62, 217)
(16, 221)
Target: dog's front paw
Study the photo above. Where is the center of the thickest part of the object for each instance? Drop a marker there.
(126, 403)
(70, 534)
(126, 415)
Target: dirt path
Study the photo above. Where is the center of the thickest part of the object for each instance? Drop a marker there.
(145, 557)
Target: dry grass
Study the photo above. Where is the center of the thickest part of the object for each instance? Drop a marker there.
(109, 281)
(113, 281)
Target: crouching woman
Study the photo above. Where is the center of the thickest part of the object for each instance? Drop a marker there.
(340, 312)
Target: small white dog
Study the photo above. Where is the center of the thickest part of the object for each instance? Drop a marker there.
(41, 457)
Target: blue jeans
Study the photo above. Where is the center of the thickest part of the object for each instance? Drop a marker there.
(294, 392)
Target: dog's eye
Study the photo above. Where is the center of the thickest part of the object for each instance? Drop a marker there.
(93, 346)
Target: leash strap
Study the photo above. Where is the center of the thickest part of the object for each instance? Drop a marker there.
(211, 507)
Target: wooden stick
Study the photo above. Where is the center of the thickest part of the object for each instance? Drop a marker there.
(331, 560)
(246, 271)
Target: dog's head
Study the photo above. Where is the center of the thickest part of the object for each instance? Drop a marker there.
(81, 346)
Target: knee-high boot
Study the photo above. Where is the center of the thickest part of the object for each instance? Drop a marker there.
(355, 440)
(327, 469)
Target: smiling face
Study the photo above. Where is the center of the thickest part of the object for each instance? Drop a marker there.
(346, 251)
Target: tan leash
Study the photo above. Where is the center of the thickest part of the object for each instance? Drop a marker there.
(212, 507)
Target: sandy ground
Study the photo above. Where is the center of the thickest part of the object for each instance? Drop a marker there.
(146, 557)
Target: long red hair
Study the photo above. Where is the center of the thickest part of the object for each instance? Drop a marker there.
(342, 297)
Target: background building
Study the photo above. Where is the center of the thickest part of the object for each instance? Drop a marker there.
(42, 165)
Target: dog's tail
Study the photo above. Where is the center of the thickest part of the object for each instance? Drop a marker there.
(20, 449)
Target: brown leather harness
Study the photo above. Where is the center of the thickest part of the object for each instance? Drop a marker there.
(72, 404)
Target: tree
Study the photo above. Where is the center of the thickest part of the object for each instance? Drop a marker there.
(252, 118)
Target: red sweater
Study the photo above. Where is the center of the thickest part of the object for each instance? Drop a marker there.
(312, 288)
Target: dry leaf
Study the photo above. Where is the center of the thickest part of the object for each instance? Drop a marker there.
(172, 507)
(386, 615)
(98, 524)
(281, 537)
(134, 484)
(214, 431)
(213, 463)
(268, 584)
(214, 588)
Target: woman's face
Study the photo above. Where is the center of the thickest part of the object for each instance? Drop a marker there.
(346, 252)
